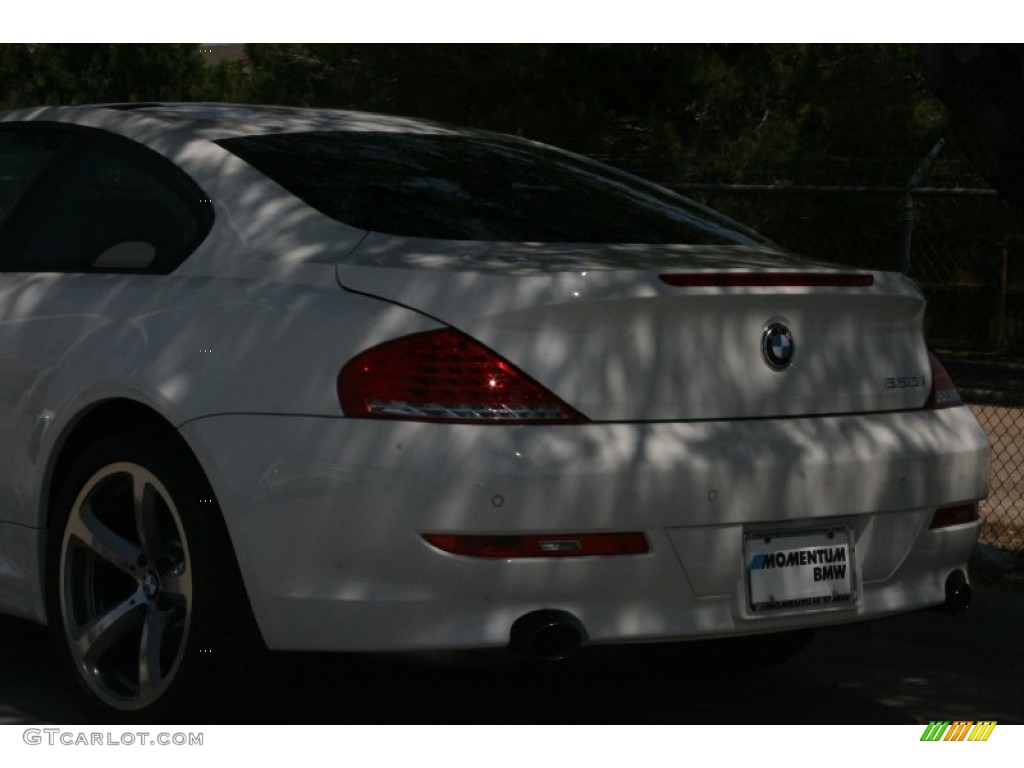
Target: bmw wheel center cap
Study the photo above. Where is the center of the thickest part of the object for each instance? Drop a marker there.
(777, 346)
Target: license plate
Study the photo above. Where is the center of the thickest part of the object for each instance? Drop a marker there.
(798, 569)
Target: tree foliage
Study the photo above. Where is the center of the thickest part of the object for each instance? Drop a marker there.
(742, 112)
(698, 112)
(982, 88)
(63, 73)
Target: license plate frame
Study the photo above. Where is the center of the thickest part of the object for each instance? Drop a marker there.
(800, 569)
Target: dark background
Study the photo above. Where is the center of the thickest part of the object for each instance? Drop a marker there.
(764, 113)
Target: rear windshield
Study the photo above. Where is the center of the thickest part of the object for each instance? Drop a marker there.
(477, 188)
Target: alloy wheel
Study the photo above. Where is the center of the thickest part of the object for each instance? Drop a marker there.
(125, 586)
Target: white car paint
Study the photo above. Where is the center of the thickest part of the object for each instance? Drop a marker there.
(619, 344)
(323, 509)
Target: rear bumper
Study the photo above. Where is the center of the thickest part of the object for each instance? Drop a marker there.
(327, 514)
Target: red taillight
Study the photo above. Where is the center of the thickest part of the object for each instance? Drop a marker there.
(551, 545)
(768, 280)
(445, 376)
(944, 518)
(943, 394)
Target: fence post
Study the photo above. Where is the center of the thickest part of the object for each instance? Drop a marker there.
(908, 204)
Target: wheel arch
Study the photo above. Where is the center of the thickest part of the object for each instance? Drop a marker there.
(127, 430)
(100, 419)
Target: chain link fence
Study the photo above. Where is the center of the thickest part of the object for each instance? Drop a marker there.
(1003, 510)
(965, 248)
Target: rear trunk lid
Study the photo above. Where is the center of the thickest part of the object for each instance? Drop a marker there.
(655, 332)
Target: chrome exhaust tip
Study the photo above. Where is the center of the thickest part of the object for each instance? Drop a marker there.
(547, 634)
(958, 593)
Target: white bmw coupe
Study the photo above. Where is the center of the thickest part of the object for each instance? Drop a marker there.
(318, 380)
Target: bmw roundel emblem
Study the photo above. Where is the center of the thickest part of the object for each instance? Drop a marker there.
(777, 346)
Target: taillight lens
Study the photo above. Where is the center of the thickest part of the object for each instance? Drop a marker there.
(943, 394)
(768, 280)
(950, 516)
(552, 545)
(445, 376)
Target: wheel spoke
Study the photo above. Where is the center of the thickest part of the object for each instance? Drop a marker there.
(176, 585)
(103, 631)
(154, 634)
(144, 501)
(102, 542)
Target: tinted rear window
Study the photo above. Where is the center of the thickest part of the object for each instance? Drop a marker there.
(22, 157)
(472, 188)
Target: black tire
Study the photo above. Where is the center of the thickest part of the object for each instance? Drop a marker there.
(146, 606)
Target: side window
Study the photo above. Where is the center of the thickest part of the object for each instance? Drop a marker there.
(110, 207)
(22, 157)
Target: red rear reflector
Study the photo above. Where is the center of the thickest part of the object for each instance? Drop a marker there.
(768, 280)
(445, 376)
(944, 518)
(553, 545)
(944, 393)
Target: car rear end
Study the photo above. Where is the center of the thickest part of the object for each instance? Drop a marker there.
(618, 439)
(362, 534)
